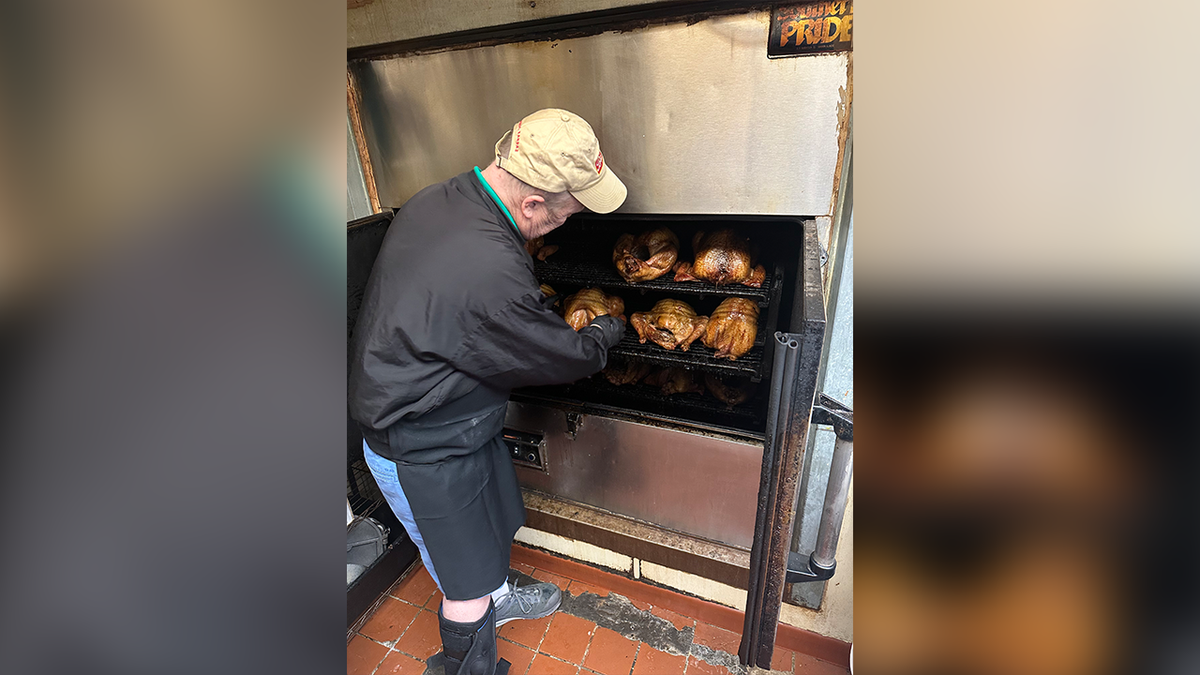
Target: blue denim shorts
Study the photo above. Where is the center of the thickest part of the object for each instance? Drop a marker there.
(384, 471)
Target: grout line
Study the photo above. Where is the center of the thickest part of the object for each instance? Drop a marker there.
(637, 650)
(396, 644)
(588, 647)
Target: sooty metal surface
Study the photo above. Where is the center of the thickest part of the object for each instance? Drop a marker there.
(748, 416)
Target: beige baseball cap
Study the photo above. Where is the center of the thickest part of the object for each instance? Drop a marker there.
(556, 150)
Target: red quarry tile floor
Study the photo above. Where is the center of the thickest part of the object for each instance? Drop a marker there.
(610, 653)
(650, 661)
(568, 637)
(717, 638)
(402, 633)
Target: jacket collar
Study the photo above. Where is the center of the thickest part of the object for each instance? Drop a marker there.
(492, 203)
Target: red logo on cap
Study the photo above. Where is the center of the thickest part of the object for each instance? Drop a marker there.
(599, 162)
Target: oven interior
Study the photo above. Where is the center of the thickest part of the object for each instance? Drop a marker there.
(584, 259)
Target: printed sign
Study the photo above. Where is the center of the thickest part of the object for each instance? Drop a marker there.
(811, 28)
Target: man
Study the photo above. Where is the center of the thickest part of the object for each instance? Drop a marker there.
(451, 322)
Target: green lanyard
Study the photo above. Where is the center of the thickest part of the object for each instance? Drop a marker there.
(496, 198)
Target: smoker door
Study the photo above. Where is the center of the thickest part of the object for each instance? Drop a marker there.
(698, 484)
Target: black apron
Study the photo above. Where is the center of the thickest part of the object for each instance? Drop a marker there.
(460, 483)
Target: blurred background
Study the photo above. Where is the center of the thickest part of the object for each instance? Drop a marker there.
(171, 285)
(1027, 338)
(172, 289)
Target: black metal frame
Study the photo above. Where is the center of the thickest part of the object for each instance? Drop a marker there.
(793, 390)
(559, 27)
(363, 239)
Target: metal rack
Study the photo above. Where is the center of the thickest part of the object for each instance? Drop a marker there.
(582, 272)
(751, 412)
(697, 357)
(753, 364)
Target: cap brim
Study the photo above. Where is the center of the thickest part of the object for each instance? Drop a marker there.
(605, 196)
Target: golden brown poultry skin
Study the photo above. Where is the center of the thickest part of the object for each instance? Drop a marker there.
(581, 308)
(722, 257)
(537, 248)
(630, 372)
(673, 381)
(647, 256)
(732, 328)
(669, 324)
(729, 390)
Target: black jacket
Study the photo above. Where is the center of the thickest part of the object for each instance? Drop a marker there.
(453, 310)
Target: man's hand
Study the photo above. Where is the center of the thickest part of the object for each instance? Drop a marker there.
(610, 329)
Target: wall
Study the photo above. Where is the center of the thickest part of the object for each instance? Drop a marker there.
(693, 118)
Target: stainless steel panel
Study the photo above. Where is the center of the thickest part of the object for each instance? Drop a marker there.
(698, 484)
(694, 119)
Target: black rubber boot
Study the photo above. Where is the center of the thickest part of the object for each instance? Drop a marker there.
(469, 648)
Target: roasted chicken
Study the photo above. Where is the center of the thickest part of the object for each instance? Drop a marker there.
(729, 390)
(674, 381)
(647, 256)
(722, 257)
(630, 372)
(732, 327)
(537, 248)
(580, 309)
(669, 324)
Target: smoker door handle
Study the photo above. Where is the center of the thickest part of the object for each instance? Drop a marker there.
(831, 412)
(821, 563)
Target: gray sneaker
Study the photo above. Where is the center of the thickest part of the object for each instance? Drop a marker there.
(528, 602)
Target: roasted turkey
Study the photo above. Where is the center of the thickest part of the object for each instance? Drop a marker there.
(630, 372)
(669, 324)
(722, 257)
(732, 327)
(537, 248)
(647, 256)
(729, 390)
(580, 309)
(674, 381)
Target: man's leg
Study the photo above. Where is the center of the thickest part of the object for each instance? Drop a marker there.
(469, 644)
(465, 611)
(384, 471)
(467, 627)
(536, 601)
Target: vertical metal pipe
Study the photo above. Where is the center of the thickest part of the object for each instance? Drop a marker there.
(840, 470)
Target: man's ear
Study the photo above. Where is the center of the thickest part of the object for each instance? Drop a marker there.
(529, 205)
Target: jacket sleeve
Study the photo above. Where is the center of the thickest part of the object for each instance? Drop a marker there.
(526, 344)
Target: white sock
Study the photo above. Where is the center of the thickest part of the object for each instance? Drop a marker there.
(500, 592)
